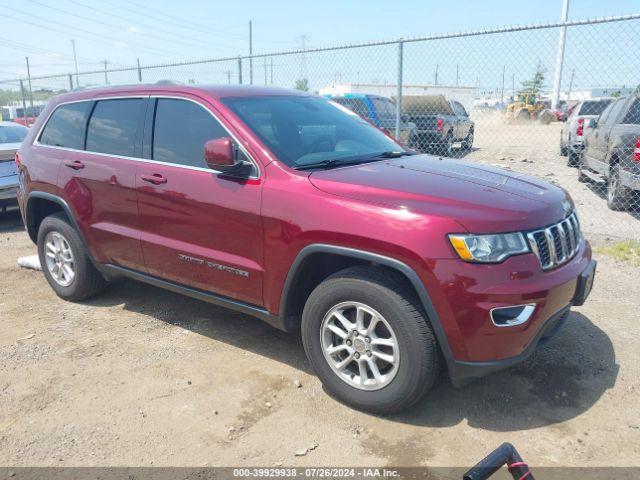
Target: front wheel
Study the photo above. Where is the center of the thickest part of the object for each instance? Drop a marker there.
(368, 341)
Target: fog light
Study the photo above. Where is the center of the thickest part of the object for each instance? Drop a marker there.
(512, 315)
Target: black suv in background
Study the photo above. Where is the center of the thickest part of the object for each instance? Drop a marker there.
(440, 124)
(612, 152)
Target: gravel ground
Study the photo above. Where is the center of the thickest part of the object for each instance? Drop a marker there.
(139, 376)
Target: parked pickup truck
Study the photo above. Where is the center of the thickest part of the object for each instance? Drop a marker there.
(288, 207)
(612, 153)
(440, 124)
(576, 127)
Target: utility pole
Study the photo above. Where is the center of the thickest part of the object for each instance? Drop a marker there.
(436, 75)
(75, 60)
(139, 70)
(502, 89)
(562, 37)
(30, 89)
(302, 39)
(228, 76)
(24, 104)
(573, 73)
(271, 73)
(106, 79)
(250, 52)
(265, 70)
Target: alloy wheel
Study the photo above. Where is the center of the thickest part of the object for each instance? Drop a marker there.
(360, 346)
(59, 259)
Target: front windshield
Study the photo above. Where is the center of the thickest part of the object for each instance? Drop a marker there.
(12, 134)
(308, 130)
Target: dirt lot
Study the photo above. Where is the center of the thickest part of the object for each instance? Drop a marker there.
(139, 376)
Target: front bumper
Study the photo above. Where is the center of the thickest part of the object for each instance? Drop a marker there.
(466, 294)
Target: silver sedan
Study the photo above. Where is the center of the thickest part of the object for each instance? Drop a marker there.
(11, 136)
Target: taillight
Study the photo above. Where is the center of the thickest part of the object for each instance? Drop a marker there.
(440, 124)
(636, 150)
(18, 159)
(580, 129)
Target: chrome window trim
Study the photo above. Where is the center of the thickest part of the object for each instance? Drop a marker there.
(37, 143)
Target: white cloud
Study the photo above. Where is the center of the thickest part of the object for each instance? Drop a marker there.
(133, 29)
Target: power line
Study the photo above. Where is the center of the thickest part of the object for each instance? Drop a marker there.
(147, 34)
(173, 20)
(75, 29)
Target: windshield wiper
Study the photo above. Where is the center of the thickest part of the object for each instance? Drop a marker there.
(339, 162)
(392, 154)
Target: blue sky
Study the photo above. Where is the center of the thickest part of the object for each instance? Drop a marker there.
(120, 31)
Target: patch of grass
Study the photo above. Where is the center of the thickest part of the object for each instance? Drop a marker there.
(627, 251)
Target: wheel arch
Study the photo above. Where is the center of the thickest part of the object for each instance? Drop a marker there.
(39, 205)
(298, 285)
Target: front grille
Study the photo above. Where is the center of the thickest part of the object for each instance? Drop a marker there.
(556, 244)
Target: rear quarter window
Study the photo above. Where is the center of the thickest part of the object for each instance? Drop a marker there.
(113, 125)
(633, 115)
(66, 126)
(594, 108)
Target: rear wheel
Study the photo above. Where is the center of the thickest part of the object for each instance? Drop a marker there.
(573, 159)
(617, 194)
(368, 341)
(563, 149)
(65, 262)
(582, 178)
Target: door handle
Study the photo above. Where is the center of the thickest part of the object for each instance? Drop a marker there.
(155, 178)
(75, 164)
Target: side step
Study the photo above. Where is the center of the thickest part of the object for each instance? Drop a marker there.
(595, 177)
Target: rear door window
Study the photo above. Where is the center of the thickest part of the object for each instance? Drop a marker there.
(113, 126)
(633, 115)
(66, 126)
(180, 131)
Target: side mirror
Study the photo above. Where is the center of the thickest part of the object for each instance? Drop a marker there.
(218, 153)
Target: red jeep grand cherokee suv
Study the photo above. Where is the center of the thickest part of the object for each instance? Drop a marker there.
(288, 207)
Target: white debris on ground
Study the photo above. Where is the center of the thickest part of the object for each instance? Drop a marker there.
(31, 262)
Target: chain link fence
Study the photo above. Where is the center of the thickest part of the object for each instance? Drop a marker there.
(483, 96)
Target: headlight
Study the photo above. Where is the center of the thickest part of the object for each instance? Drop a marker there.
(488, 248)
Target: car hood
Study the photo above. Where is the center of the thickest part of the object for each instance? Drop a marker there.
(482, 199)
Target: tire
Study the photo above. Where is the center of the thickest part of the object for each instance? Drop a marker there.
(416, 353)
(617, 195)
(522, 115)
(582, 178)
(563, 149)
(86, 281)
(573, 159)
(467, 144)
